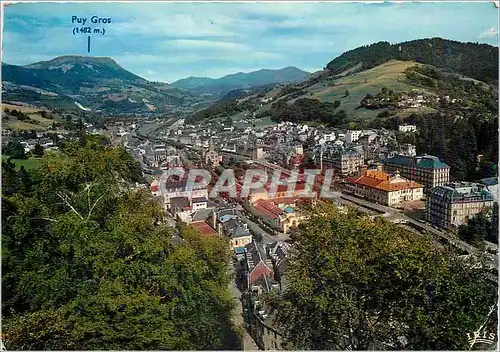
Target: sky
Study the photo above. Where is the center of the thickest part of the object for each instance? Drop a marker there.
(168, 41)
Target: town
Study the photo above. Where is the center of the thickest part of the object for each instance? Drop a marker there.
(368, 170)
(250, 176)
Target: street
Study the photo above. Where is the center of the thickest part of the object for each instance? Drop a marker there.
(248, 342)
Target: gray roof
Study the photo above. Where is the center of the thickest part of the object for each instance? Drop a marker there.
(255, 253)
(424, 161)
(235, 228)
(462, 192)
(201, 215)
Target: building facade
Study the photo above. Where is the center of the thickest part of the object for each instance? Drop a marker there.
(344, 162)
(386, 189)
(427, 170)
(454, 204)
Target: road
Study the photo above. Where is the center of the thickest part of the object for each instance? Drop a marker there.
(238, 319)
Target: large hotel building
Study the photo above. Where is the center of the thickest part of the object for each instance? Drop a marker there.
(427, 170)
(455, 203)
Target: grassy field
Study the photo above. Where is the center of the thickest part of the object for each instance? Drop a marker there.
(29, 164)
(389, 75)
(33, 113)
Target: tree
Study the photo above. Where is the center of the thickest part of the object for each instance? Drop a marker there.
(346, 93)
(481, 227)
(38, 150)
(15, 150)
(358, 283)
(86, 264)
(228, 122)
(336, 104)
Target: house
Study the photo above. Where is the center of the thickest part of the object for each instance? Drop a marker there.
(454, 204)
(279, 212)
(180, 205)
(179, 188)
(258, 264)
(199, 203)
(390, 190)
(344, 161)
(227, 223)
(427, 170)
(352, 136)
(155, 188)
(278, 252)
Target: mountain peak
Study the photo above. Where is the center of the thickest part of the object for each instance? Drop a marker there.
(73, 59)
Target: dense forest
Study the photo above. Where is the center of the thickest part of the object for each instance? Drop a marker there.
(479, 61)
(221, 108)
(88, 265)
(356, 283)
(311, 110)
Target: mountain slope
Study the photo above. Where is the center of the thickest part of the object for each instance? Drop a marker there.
(479, 61)
(95, 82)
(367, 85)
(241, 80)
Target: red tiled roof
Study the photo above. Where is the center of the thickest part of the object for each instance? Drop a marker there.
(286, 200)
(268, 208)
(154, 188)
(381, 180)
(203, 228)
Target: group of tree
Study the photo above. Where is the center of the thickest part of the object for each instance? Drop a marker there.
(309, 110)
(385, 98)
(88, 265)
(474, 95)
(21, 116)
(356, 283)
(15, 150)
(480, 228)
(219, 109)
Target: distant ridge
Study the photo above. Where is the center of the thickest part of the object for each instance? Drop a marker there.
(241, 80)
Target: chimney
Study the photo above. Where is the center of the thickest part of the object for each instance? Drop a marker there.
(364, 168)
(379, 168)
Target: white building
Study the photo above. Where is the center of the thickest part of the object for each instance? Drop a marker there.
(352, 136)
(407, 128)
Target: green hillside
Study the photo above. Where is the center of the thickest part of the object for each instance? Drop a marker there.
(479, 61)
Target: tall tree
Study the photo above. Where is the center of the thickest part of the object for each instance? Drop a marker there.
(357, 283)
(15, 150)
(38, 150)
(86, 265)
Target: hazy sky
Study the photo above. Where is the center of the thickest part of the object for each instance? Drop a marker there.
(168, 41)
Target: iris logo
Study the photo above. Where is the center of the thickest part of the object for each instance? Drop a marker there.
(482, 335)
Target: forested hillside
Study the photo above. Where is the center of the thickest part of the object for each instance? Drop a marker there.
(479, 61)
(88, 265)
